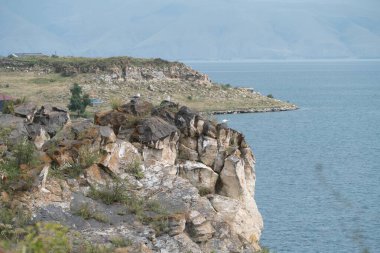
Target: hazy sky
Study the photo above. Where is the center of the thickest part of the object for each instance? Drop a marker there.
(193, 29)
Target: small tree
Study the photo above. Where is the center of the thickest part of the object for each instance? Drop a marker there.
(78, 101)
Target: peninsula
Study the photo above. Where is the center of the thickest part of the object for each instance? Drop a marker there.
(48, 79)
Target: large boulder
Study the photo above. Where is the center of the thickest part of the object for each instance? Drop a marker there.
(119, 157)
(232, 178)
(26, 110)
(207, 150)
(14, 127)
(244, 221)
(161, 151)
(137, 107)
(199, 228)
(51, 118)
(199, 175)
(185, 153)
(166, 111)
(114, 119)
(185, 121)
(153, 129)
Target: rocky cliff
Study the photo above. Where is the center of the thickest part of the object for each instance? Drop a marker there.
(116, 68)
(159, 179)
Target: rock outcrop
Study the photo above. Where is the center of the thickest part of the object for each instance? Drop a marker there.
(200, 172)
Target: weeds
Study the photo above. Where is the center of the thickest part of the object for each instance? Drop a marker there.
(120, 242)
(12, 222)
(23, 154)
(87, 157)
(135, 168)
(148, 212)
(86, 212)
(115, 103)
(110, 193)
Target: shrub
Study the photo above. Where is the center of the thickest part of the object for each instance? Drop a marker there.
(270, 96)
(12, 222)
(86, 212)
(23, 153)
(47, 237)
(87, 157)
(226, 86)
(120, 242)
(8, 107)
(109, 194)
(190, 97)
(115, 103)
(135, 168)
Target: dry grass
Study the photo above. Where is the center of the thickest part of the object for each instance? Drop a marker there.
(54, 88)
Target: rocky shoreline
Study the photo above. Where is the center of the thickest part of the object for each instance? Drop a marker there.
(237, 111)
(156, 178)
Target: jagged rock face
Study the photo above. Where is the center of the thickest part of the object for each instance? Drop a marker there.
(201, 173)
(36, 124)
(212, 158)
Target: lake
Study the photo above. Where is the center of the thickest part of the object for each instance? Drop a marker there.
(318, 168)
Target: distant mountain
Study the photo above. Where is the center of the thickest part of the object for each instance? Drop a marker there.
(191, 30)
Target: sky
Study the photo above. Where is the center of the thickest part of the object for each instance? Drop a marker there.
(193, 30)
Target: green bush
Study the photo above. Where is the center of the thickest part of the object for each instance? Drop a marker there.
(226, 86)
(46, 238)
(110, 193)
(78, 101)
(135, 168)
(23, 153)
(270, 96)
(8, 107)
(12, 222)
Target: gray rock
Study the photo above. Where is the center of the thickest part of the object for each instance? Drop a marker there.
(154, 129)
(26, 110)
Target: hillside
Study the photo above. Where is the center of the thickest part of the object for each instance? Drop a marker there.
(48, 79)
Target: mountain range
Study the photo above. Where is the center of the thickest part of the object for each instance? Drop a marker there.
(193, 30)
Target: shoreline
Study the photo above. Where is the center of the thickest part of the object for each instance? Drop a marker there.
(241, 111)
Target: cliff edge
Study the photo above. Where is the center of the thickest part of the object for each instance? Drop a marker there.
(136, 179)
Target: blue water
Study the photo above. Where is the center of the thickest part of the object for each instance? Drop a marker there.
(318, 168)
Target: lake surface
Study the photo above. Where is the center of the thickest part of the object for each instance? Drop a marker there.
(318, 168)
